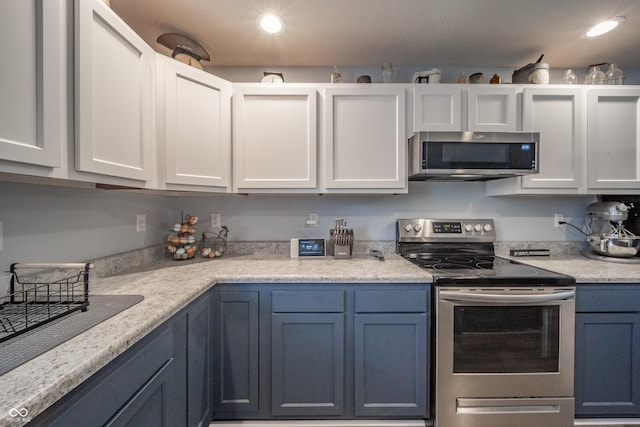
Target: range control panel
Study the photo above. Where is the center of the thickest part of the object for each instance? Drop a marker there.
(446, 230)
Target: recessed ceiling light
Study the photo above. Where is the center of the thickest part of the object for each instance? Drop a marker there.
(605, 26)
(271, 23)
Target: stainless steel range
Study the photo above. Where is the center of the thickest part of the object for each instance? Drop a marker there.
(504, 331)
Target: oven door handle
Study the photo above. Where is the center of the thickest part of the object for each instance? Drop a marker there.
(505, 298)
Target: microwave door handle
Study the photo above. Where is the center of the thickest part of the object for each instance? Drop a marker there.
(505, 298)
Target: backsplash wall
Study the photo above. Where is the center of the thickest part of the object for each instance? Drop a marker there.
(373, 217)
(56, 224)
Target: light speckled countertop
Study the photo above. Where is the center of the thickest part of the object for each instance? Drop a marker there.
(586, 270)
(167, 287)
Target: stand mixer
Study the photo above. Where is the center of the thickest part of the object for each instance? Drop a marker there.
(607, 234)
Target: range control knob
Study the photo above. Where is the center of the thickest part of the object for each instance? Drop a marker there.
(408, 228)
(487, 227)
(468, 227)
(477, 227)
(417, 227)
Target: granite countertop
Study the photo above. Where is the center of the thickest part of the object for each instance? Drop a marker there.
(167, 287)
(585, 270)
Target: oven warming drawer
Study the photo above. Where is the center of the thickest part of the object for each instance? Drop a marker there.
(522, 412)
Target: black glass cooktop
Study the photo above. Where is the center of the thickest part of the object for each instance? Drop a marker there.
(473, 267)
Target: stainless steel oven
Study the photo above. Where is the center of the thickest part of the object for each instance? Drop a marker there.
(504, 356)
(504, 330)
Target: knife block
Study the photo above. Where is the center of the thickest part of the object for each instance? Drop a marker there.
(340, 243)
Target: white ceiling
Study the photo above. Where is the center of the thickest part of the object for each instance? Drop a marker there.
(437, 33)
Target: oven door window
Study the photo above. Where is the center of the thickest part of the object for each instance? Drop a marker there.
(506, 339)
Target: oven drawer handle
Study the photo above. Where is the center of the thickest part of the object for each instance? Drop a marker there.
(506, 298)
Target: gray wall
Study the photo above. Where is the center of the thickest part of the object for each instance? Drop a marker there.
(44, 223)
(56, 224)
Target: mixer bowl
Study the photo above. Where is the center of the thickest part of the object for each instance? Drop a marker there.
(616, 246)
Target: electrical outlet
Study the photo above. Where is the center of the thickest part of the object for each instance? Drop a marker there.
(557, 218)
(313, 220)
(141, 222)
(215, 219)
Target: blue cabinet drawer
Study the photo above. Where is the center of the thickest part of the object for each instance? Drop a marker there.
(607, 298)
(308, 301)
(402, 301)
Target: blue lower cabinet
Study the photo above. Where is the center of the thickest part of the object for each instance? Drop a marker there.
(151, 384)
(199, 366)
(607, 352)
(390, 365)
(236, 353)
(391, 375)
(307, 364)
(333, 351)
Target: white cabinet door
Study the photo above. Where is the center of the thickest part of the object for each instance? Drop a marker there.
(558, 114)
(32, 103)
(364, 139)
(492, 109)
(274, 137)
(437, 107)
(115, 95)
(613, 138)
(194, 125)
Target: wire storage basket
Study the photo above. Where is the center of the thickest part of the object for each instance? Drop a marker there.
(214, 244)
(35, 299)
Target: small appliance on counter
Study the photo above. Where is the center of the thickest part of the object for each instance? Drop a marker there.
(608, 237)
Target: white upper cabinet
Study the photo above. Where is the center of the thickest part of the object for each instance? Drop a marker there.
(437, 107)
(454, 107)
(558, 113)
(115, 95)
(32, 88)
(365, 139)
(194, 127)
(613, 138)
(274, 138)
(492, 108)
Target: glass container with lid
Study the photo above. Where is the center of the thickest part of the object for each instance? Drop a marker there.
(595, 76)
(614, 75)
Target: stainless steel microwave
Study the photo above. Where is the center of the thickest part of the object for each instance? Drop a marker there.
(472, 156)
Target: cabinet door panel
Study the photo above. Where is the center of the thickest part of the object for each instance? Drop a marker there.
(199, 367)
(149, 406)
(275, 138)
(558, 115)
(390, 354)
(31, 101)
(607, 381)
(115, 89)
(613, 138)
(236, 354)
(307, 364)
(492, 109)
(197, 126)
(437, 108)
(144, 385)
(365, 142)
